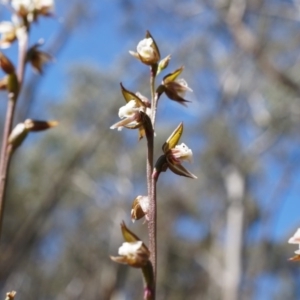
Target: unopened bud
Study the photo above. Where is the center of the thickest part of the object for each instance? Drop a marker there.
(18, 135)
(11, 295)
(163, 64)
(147, 50)
(6, 65)
(140, 208)
(35, 125)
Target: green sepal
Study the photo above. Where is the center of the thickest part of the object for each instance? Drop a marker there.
(128, 96)
(13, 85)
(128, 235)
(174, 138)
(172, 76)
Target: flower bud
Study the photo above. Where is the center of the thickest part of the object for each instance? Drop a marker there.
(147, 51)
(19, 133)
(6, 65)
(11, 295)
(140, 208)
(163, 64)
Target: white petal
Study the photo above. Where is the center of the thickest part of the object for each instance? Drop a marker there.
(184, 152)
(295, 239)
(130, 248)
(144, 48)
(128, 110)
(6, 27)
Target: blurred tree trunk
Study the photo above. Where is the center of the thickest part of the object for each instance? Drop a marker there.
(234, 186)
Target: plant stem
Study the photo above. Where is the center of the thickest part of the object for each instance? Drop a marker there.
(154, 97)
(149, 289)
(6, 150)
(5, 157)
(152, 223)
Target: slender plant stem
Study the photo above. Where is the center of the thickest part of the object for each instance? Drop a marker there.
(152, 223)
(149, 289)
(6, 150)
(152, 206)
(154, 97)
(153, 116)
(5, 157)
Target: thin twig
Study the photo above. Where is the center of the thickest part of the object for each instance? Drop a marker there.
(6, 151)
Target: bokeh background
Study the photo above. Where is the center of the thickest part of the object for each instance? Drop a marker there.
(223, 236)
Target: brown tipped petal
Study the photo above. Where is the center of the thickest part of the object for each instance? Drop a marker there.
(176, 97)
(125, 122)
(295, 258)
(119, 259)
(181, 170)
(141, 132)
